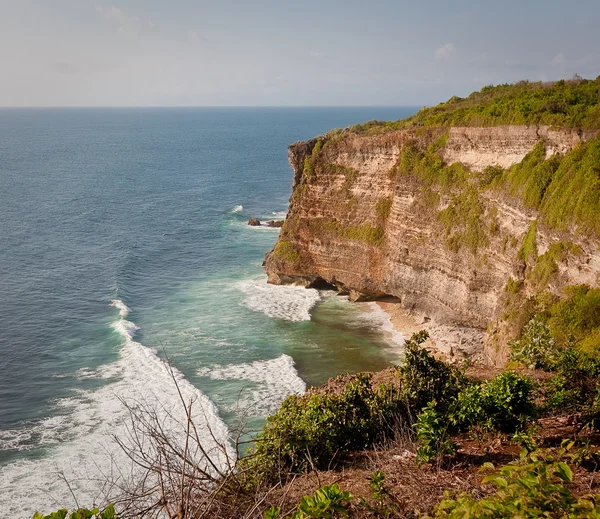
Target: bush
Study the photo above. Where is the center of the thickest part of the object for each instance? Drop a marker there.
(575, 383)
(506, 401)
(81, 513)
(426, 379)
(536, 488)
(433, 432)
(536, 348)
(314, 429)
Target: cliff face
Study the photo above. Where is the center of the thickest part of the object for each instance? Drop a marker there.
(361, 221)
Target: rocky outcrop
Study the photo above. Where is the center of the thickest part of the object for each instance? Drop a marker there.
(357, 225)
(254, 222)
(275, 223)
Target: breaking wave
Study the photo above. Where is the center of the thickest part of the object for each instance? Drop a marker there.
(288, 302)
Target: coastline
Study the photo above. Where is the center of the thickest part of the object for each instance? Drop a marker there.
(451, 344)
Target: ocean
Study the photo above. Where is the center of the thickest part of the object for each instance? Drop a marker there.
(124, 243)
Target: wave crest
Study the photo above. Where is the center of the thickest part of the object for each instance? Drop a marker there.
(271, 382)
(288, 302)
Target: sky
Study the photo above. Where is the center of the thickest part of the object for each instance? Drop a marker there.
(285, 53)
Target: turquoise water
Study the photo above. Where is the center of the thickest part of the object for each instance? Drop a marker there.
(124, 241)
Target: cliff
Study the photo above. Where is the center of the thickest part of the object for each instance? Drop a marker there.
(444, 220)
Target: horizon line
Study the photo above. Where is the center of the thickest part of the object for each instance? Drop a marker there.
(21, 107)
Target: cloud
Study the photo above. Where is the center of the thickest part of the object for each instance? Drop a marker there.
(445, 51)
(126, 23)
(559, 59)
(316, 54)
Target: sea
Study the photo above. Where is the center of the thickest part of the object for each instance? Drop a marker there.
(128, 274)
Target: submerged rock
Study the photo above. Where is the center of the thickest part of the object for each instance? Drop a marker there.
(275, 223)
(255, 222)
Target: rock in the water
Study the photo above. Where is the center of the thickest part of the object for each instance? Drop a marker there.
(275, 223)
(255, 222)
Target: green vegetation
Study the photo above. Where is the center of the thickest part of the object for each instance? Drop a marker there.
(562, 103)
(565, 189)
(546, 266)
(577, 315)
(535, 487)
(315, 428)
(81, 513)
(383, 208)
(427, 167)
(364, 232)
(528, 250)
(503, 403)
(326, 503)
(463, 221)
(535, 348)
(286, 251)
(310, 162)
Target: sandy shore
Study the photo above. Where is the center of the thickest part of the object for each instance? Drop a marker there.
(451, 343)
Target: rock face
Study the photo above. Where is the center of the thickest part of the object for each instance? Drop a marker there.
(255, 222)
(354, 224)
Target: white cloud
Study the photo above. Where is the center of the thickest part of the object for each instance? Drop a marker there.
(445, 51)
(126, 23)
(559, 59)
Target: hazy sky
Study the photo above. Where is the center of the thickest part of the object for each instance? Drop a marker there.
(280, 52)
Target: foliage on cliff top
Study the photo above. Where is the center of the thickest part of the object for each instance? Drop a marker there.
(573, 104)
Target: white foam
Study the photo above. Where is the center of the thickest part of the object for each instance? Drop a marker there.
(288, 302)
(82, 432)
(237, 209)
(381, 318)
(275, 215)
(271, 382)
(121, 306)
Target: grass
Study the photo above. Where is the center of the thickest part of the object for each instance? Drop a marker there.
(463, 222)
(383, 208)
(564, 189)
(528, 250)
(546, 266)
(365, 232)
(285, 251)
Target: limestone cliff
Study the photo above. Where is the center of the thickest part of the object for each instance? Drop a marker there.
(362, 220)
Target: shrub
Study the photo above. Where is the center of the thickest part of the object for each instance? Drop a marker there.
(536, 348)
(577, 315)
(535, 488)
(326, 503)
(575, 383)
(502, 403)
(426, 379)
(433, 432)
(81, 513)
(316, 428)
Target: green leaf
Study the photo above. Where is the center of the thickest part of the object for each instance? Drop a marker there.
(564, 472)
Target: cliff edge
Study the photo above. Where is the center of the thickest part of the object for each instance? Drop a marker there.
(461, 224)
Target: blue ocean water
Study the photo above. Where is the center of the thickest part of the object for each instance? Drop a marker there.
(123, 242)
